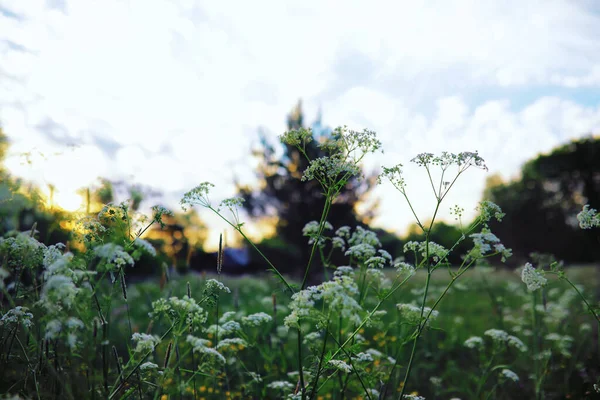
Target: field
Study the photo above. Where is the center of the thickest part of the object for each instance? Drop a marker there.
(408, 326)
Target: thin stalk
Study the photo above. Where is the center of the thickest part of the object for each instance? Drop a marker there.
(419, 330)
(299, 343)
(137, 366)
(324, 215)
(319, 369)
(362, 383)
(239, 230)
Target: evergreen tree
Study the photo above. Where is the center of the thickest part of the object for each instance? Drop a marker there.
(293, 203)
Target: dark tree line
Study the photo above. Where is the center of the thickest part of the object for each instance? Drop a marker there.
(542, 205)
(293, 202)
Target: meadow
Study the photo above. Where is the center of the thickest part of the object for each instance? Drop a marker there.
(402, 326)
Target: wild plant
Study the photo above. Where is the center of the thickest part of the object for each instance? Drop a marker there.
(334, 312)
(75, 328)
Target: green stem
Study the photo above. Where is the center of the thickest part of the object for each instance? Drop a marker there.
(239, 230)
(419, 330)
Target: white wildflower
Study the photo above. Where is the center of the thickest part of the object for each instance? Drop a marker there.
(474, 342)
(412, 313)
(509, 375)
(231, 344)
(145, 246)
(113, 257)
(214, 285)
(343, 270)
(340, 365)
(588, 218)
(280, 385)
(145, 342)
(200, 346)
(148, 366)
(17, 315)
(197, 196)
(404, 268)
(532, 278)
(257, 319)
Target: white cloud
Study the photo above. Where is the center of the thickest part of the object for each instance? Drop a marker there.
(179, 89)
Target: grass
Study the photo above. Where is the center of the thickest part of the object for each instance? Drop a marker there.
(379, 328)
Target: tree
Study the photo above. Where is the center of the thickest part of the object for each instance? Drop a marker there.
(541, 206)
(282, 195)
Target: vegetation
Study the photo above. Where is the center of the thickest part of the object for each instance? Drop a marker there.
(409, 327)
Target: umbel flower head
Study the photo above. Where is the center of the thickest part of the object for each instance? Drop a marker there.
(588, 218)
(533, 278)
(197, 196)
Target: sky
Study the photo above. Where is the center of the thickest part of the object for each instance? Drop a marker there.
(169, 94)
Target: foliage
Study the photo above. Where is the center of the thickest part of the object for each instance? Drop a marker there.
(294, 201)
(542, 204)
(377, 327)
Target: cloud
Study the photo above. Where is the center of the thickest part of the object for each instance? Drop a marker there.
(59, 5)
(173, 93)
(8, 13)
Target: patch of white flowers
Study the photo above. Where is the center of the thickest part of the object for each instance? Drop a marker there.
(588, 218)
(113, 257)
(533, 278)
(502, 337)
(201, 346)
(145, 246)
(144, 342)
(340, 365)
(16, 316)
(338, 295)
(474, 342)
(412, 314)
(509, 375)
(257, 319)
(485, 242)
(175, 307)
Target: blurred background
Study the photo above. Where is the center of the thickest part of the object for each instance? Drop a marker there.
(142, 100)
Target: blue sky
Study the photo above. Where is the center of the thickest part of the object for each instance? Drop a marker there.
(171, 93)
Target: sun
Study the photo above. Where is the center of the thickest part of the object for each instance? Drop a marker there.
(67, 200)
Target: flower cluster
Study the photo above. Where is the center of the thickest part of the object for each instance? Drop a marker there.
(463, 160)
(533, 278)
(197, 196)
(509, 375)
(176, 308)
(145, 342)
(340, 365)
(158, 212)
(483, 243)
(411, 313)
(212, 291)
(17, 316)
(297, 137)
(257, 319)
(474, 342)
(113, 257)
(91, 229)
(488, 210)
(329, 169)
(201, 346)
(337, 294)
(311, 230)
(145, 246)
(588, 218)
(501, 337)
(435, 251)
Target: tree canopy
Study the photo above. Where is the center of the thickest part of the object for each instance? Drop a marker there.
(293, 203)
(542, 205)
